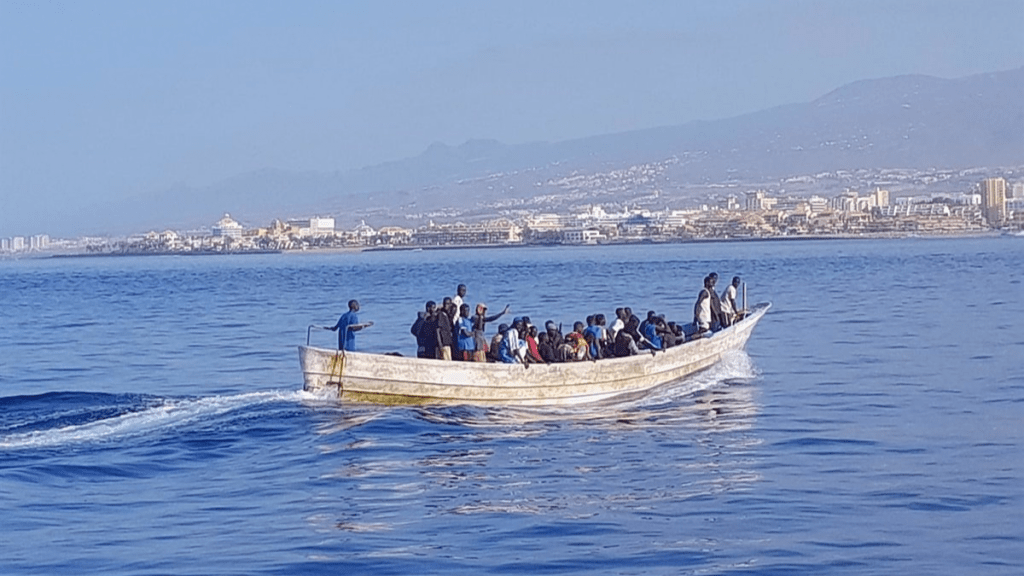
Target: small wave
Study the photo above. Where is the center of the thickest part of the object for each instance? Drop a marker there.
(149, 416)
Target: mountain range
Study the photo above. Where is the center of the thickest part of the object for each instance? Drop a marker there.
(902, 122)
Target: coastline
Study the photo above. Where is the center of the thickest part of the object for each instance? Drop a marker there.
(413, 248)
(167, 253)
(652, 241)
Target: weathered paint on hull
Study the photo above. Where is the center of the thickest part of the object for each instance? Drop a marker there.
(400, 380)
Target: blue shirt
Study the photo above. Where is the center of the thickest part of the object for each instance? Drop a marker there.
(465, 341)
(346, 337)
(651, 332)
(594, 331)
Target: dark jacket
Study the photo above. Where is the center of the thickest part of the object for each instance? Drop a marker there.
(416, 326)
(445, 330)
(547, 351)
(623, 345)
(428, 334)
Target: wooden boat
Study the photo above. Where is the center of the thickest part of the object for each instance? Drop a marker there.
(391, 379)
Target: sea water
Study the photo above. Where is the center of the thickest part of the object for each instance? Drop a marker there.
(152, 418)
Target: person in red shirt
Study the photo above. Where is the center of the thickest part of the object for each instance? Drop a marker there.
(532, 350)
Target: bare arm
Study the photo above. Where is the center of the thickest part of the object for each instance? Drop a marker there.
(498, 315)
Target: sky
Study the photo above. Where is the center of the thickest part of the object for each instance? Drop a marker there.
(103, 100)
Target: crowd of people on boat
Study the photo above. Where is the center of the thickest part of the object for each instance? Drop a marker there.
(455, 331)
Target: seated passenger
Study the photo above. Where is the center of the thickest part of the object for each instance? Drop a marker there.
(651, 334)
(618, 324)
(577, 348)
(650, 318)
(512, 349)
(597, 336)
(547, 352)
(633, 329)
(605, 340)
(623, 345)
(554, 334)
(668, 333)
(494, 354)
(532, 347)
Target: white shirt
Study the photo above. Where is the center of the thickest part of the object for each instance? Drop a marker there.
(729, 299)
(616, 326)
(704, 313)
(515, 345)
(457, 300)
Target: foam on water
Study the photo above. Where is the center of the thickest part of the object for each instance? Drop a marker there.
(734, 365)
(164, 414)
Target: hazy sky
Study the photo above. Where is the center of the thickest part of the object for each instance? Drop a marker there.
(101, 100)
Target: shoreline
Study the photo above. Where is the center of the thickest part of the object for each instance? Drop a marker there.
(660, 242)
(413, 248)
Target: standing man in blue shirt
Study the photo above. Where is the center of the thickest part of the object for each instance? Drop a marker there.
(347, 326)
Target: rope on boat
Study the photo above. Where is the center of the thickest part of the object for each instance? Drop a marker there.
(338, 362)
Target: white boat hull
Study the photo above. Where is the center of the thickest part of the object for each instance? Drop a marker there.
(400, 380)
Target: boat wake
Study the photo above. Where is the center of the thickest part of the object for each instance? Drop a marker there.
(67, 418)
(59, 419)
(735, 365)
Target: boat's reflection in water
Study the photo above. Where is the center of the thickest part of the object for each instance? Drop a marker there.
(398, 465)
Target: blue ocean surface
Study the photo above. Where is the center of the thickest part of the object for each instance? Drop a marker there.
(152, 418)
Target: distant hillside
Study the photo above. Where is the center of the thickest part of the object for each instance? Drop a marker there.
(900, 122)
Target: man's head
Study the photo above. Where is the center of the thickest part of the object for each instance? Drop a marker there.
(461, 290)
(430, 306)
(464, 310)
(353, 305)
(736, 281)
